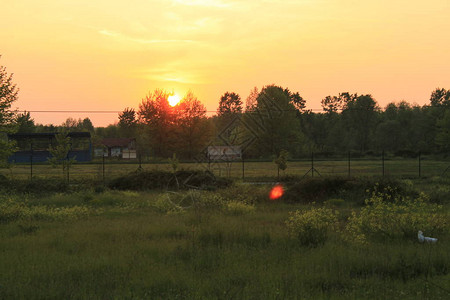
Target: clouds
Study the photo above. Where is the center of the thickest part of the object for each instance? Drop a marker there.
(204, 3)
(130, 47)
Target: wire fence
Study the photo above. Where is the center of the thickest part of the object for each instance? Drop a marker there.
(247, 170)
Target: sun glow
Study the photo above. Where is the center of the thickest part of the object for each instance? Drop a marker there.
(174, 99)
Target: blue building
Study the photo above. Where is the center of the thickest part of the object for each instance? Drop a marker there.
(33, 147)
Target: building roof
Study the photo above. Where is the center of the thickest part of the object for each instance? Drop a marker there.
(117, 142)
(46, 135)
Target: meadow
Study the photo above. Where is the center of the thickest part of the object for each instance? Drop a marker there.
(357, 241)
(251, 170)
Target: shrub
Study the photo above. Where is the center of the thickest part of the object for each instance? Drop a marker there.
(36, 186)
(11, 211)
(246, 193)
(150, 180)
(165, 205)
(311, 227)
(314, 189)
(388, 217)
(209, 201)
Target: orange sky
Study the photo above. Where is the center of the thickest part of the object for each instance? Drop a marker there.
(107, 54)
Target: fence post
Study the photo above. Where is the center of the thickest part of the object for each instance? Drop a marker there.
(68, 167)
(103, 167)
(31, 163)
(312, 164)
(420, 167)
(243, 168)
(348, 163)
(382, 161)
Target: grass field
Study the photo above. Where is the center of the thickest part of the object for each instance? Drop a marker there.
(406, 168)
(228, 244)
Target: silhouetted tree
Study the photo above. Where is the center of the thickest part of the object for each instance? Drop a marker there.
(360, 115)
(8, 95)
(156, 113)
(192, 127)
(25, 124)
(128, 122)
(230, 103)
(440, 97)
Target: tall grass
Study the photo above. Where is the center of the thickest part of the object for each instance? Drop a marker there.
(128, 248)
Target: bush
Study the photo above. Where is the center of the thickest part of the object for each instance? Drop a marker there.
(315, 189)
(36, 186)
(165, 205)
(11, 210)
(311, 227)
(245, 193)
(150, 180)
(209, 201)
(387, 217)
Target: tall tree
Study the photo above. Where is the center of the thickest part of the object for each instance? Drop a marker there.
(128, 122)
(333, 104)
(230, 109)
(192, 127)
(25, 124)
(274, 122)
(360, 115)
(443, 132)
(296, 100)
(230, 103)
(250, 102)
(158, 117)
(8, 95)
(440, 97)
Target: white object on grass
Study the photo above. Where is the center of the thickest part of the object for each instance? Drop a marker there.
(425, 238)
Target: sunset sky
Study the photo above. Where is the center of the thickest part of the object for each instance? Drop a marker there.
(108, 54)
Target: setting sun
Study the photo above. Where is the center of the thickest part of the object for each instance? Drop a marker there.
(174, 99)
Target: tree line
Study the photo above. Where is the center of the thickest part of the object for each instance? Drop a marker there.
(272, 120)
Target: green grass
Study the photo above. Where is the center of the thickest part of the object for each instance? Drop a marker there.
(126, 248)
(395, 167)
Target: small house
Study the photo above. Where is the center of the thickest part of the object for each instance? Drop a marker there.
(117, 147)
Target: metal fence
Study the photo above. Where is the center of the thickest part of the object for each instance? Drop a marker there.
(248, 170)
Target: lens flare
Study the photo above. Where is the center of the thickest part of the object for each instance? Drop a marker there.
(276, 192)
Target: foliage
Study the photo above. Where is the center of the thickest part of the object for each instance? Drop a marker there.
(311, 227)
(230, 103)
(25, 124)
(156, 114)
(388, 218)
(192, 130)
(183, 128)
(281, 160)
(148, 180)
(60, 153)
(174, 162)
(207, 201)
(128, 123)
(8, 95)
(11, 211)
(274, 122)
(165, 205)
(316, 189)
(440, 98)
(36, 186)
(71, 124)
(146, 254)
